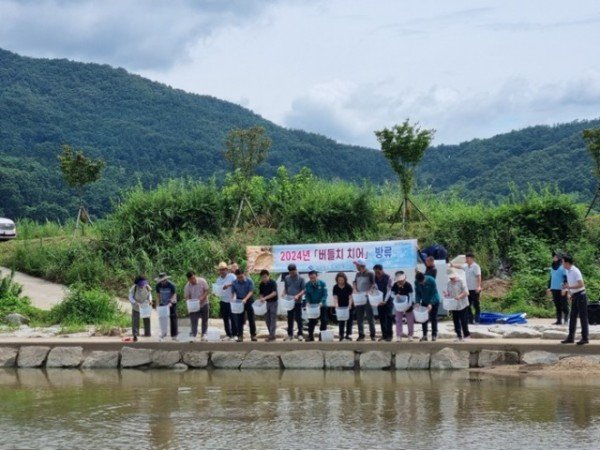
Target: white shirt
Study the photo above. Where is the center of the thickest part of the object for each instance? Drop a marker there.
(573, 277)
(224, 281)
(472, 272)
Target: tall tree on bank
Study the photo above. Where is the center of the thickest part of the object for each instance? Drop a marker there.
(78, 171)
(246, 149)
(404, 147)
(592, 141)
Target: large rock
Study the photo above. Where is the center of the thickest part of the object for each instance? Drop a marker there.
(554, 335)
(412, 361)
(343, 359)
(488, 358)
(375, 359)
(165, 358)
(540, 357)
(197, 360)
(101, 360)
(484, 334)
(303, 359)
(33, 356)
(16, 319)
(227, 360)
(257, 359)
(448, 358)
(8, 356)
(135, 357)
(67, 357)
(522, 333)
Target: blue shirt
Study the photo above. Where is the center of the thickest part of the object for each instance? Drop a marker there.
(241, 289)
(316, 293)
(165, 292)
(557, 278)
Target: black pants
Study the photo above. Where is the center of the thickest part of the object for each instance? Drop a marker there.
(174, 322)
(271, 318)
(195, 317)
(461, 322)
(433, 319)
(241, 319)
(344, 328)
(295, 315)
(561, 303)
(579, 308)
(312, 323)
(361, 312)
(135, 324)
(474, 303)
(228, 322)
(385, 319)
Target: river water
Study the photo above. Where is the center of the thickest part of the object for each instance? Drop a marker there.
(295, 409)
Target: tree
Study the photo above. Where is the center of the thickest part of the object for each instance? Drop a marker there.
(78, 171)
(404, 147)
(245, 149)
(592, 140)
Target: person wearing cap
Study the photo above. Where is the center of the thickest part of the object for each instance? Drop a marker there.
(140, 294)
(294, 285)
(457, 290)
(385, 309)
(400, 288)
(224, 282)
(364, 282)
(243, 290)
(579, 303)
(316, 294)
(558, 277)
(167, 296)
(196, 288)
(426, 294)
(473, 275)
(267, 290)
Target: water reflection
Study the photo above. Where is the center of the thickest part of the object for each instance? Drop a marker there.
(294, 409)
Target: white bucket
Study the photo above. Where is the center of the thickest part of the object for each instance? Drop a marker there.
(217, 289)
(326, 336)
(402, 303)
(450, 304)
(163, 311)
(213, 335)
(421, 314)
(260, 308)
(287, 303)
(237, 307)
(313, 311)
(145, 310)
(342, 313)
(375, 298)
(360, 298)
(304, 314)
(193, 306)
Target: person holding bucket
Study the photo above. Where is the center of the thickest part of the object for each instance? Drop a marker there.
(167, 306)
(222, 289)
(243, 292)
(196, 294)
(267, 290)
(364, 282)
(316, 297)
(385, 307)
(342, 300)
(140, 296)
(402, 292)
(294, 286)
(457, 290)
(426, 294)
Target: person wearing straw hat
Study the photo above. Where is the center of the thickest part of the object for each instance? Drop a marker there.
(167, 296)
(426, 294)
(364, 282)
(140, 294)
(457, 290)
(197, 289)
(224, 282)
(403, 288)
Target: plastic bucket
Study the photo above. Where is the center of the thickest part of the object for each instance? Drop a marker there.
(326, 336)
(342, 314)
(421, 314)
(313, 311)
(217, 289)
(360, 298)
(237, 307)
(376, 298)
(163, 311)
(402, 303)
(260, 308)
(450, 304)
(193, 306)
(304, 314)
(145, 310)
(287, 303)
(213, 335)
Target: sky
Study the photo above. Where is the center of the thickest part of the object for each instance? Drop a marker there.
(342, 68)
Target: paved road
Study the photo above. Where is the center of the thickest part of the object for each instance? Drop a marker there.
(43, 294)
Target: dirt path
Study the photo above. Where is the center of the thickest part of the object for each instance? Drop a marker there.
(43, 294)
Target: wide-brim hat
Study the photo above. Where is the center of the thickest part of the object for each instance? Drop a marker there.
(162, 277)
(223, 265)
(452, 274)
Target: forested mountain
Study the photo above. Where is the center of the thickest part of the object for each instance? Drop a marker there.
(148, 132)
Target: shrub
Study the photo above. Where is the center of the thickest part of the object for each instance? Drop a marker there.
(86, 306)
(12, 301)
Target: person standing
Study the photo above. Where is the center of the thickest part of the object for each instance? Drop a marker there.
(457, 290)
(224, 282)
(558, 277)
(267, 290)
(402, 287)
(140, 294)
(385, 309)
(473, 275)
(579, 303)
(167, 296)
(243, 290)
(316, 294)
(427, 295)
(342, 298)
(364, 282)
(197, 289)
(430, 268)
(294, 285)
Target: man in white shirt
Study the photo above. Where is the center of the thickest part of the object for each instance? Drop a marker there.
(579, 304)
(224, 282)
(473, 276)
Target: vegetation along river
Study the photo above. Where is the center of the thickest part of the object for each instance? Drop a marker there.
(295, 409)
